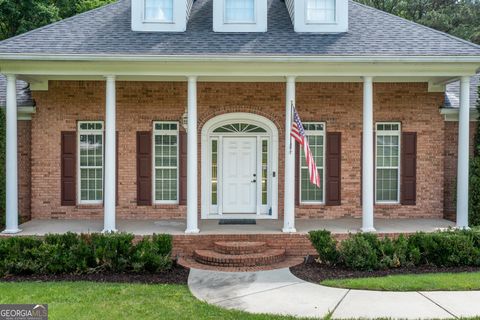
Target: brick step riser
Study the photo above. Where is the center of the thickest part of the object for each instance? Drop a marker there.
(244, 263)
(236, 248)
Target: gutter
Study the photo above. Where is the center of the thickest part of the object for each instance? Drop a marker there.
(237, 58)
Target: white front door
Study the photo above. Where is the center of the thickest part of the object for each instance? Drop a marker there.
(239, 175)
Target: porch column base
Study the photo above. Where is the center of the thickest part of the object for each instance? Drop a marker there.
(192, 231)
(367, 230)
(289, 230)
(11, 231)
(109, 230)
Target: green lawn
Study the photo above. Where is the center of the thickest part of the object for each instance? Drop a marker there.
(421, 282)
(89, 300)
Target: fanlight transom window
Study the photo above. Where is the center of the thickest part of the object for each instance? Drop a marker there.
(239, 128)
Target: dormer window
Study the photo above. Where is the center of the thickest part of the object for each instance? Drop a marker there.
(240, 15)
(320, 11)
(240, 11)
(318, 16)
(160, 15)
(159, 10)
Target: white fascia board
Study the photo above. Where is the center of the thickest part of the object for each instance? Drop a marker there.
(236, 58)
(451, 114)
(258, 25)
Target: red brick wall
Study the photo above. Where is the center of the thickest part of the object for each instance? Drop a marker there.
(139, 103)
(451, 151)
(24, 155)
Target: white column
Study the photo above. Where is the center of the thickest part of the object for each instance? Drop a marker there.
(192, 158)
(368, 161)
(110, 157)
(11, 158)
(463, 153)
(289, 195)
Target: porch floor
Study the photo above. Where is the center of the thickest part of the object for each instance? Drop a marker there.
(177, 227)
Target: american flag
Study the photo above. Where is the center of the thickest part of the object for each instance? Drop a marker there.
(298, 133)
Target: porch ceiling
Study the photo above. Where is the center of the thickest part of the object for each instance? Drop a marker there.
(177, 227)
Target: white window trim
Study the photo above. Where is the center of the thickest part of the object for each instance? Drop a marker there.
(154, 171)
(320, 22)
(144, 14)
(228, 22)
(79, 178)
(322, 178)
(389, 133)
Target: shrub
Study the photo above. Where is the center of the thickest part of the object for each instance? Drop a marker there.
(365, 251)
(325, 245)
(72, 253)
(359, 252)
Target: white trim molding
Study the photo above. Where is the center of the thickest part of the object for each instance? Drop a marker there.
(451, 114)
(207, 136)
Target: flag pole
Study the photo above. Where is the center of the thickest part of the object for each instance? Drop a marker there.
(291, 122)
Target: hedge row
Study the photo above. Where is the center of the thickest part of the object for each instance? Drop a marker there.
(365, 251)
(72, 253)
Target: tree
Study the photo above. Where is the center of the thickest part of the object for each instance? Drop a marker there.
(460, 18)
(19, 16)
(474, 198)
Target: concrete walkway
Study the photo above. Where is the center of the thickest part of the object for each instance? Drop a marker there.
(280, 292)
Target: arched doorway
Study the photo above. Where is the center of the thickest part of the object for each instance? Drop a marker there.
(239, 167)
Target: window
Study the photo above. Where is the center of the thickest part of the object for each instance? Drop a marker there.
(239, 11)
(90, 137)
(159, 10)
(239, 127)
(320, 10)
(264, 172)
(214, 172)
(388, 163)
(309, 193)
(165, 162)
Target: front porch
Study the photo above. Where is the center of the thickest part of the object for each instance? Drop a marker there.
(211, 227)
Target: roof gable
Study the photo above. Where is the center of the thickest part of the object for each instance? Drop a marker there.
(107, 31)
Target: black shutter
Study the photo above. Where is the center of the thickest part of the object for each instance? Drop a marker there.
(144, 168)
(409, 169)
(68, 174)
(334, 167)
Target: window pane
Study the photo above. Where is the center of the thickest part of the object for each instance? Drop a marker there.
(214, 171)
(310, 192)
(387, 162)
(321, 10)
(240, 10)
(264, 172)
(161, 10)
(166, 161)
(91, 161)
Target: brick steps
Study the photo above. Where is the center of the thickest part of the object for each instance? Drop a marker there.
(290, 261)
(239, 247)
(213, 258)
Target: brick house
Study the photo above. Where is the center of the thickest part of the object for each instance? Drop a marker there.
(180, 110)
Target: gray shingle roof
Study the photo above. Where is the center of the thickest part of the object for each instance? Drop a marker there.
(452, 95)
(107, 30)
(24, 95)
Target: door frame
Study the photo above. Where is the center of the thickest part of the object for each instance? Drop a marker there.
(271, 135)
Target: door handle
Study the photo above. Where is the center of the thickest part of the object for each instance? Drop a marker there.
(253, 181)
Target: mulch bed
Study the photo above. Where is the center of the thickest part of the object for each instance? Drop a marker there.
(315, 272)
(177, 275)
